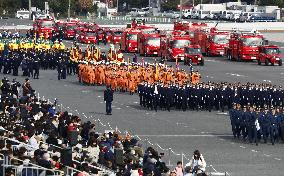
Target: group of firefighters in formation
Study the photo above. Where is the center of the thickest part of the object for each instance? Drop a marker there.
(126, 76)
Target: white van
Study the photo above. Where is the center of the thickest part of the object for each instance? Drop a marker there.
(23, 14)
(203, 14)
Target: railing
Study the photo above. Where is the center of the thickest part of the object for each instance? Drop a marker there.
(214, 172)
(39, 168)
(35, 171)
(99, 167)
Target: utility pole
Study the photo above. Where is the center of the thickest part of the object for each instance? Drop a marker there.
(30, 8)
(180, 9)
(69, 6)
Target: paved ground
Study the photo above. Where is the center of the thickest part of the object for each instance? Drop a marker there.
(182, 131)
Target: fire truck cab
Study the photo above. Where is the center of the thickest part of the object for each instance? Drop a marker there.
(116, 36)
(269, 54)
(212, 42)
(244, 46)
(148, 43)
(192, 54)
(128, 42)
(172, 47)
(69, 30)
(44, 27)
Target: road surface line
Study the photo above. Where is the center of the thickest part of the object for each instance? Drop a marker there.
(186, 135)
(242, 147)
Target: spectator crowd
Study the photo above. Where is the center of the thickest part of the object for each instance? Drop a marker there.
(35, 134)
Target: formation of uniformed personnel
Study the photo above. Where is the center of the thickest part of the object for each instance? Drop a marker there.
(255, 123)
(126, 76)
(209, 96)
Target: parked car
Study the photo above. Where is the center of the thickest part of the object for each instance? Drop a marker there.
(187, 13)
(247, 15)
(235, 17)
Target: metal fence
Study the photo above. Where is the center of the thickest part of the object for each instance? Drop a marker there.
(30, 171)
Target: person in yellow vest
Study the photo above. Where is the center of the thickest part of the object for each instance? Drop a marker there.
(61, 46)
(41, 36)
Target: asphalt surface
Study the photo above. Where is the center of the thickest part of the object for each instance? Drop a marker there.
(183, 132)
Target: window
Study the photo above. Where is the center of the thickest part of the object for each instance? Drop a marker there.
(253, 41)
(132, 36)
(220, 39)
(193, 50)
(180, 43)
(153, 41)
(272, 51)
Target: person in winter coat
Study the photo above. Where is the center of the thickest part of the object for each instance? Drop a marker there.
(197, 163)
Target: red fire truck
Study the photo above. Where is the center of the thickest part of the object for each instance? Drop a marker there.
(212, 42)
(192, 54)
(148, 43)
(128, 42)
(44, 26)
(116, 36)
(87, 37)
(172, 47)
(69, 30)
(269, 54)
(244, 46)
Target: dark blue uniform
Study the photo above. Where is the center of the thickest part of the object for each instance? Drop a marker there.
(108, 98)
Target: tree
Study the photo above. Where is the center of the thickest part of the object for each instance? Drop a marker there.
(86, 6)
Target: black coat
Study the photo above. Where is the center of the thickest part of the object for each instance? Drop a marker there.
(108, 95)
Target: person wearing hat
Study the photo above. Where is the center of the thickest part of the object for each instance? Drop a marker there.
(264, 123)
(252, 131)
(243, 122)
(273, 130)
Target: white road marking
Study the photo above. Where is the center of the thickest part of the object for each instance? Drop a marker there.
(222, 113)
(135, 102)
(242, 147)
(236, 74)
(266, 155)
(186, 135)
(99, 96)
(266, 80)
(277, 159)
(127, 106)
(117, 108)
(254, 151)
(101, 102)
